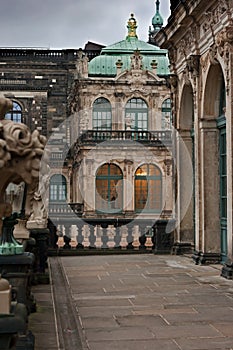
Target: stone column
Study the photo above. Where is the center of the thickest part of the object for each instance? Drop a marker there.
(208, 248)
(184, 235)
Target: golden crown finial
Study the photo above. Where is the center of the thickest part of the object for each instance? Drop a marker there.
(132, 26)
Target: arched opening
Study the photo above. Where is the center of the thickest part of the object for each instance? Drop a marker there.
(166, 114)
(57, 188)
(109, 189)
(148, 188)
(214, 155)
(186, 165)
(102, 114)
(15, 114)
(136, 114)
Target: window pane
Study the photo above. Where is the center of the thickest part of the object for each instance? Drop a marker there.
(15, 114)
(166, 114)
(148, 188)
(136, 114)
(109, 190)
(57, 188)
(102, 115)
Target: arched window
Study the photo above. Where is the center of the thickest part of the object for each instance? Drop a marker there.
(102, 114)
(109, 190)
(57, 188)
(166, 114)
(148, 188)
(15, 114)
(136, 114)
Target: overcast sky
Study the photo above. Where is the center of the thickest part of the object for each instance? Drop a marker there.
(71, 23)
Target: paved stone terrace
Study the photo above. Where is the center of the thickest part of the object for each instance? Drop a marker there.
(134, 302)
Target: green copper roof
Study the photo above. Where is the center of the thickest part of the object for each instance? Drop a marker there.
(129, 45)
(105, 64)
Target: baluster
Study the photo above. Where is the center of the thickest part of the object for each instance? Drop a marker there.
(136, 235)
(124, 234)
(67, 237)
(92, 237)
(86, 234)
(117, 238)
(130, 237)
(98, 233)
(111, 235)
(104, 237)
(142, 238)
(79, 236)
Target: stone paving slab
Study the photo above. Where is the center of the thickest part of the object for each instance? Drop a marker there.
(151, 302)
(42, 322)
(136, 302)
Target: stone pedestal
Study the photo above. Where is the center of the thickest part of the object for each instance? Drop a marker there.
(11, 325)
(40, 250)
(17, 269)
(180, 248)
(202, 258)
(162, 240)
(227, 270)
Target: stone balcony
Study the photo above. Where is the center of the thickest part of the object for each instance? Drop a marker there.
(150, 138)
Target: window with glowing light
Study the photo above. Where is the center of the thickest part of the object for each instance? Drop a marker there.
(148, 188)
(109, 189)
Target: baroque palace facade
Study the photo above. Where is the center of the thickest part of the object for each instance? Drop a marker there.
(106, 112)
(199, 40)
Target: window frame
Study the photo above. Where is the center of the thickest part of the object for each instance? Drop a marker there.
(135, 113)
(104, 182)
(154, 186)
(57, 188)
(15, 114)
(101, 112)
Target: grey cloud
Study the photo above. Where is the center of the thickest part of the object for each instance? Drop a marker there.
(71, 23)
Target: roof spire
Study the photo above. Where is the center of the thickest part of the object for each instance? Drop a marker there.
(157, 22)
(132, 26)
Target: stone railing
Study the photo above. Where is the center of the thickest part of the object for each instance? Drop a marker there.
(117, 234)
(158, 138)
(42, 54)
(30, 53)
(56, 209)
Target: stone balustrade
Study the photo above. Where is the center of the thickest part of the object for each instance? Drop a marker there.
(117, 234)
(159, 137)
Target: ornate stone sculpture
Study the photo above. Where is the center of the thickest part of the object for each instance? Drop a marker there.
(20, 154)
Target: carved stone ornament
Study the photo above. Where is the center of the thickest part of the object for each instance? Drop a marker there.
(20, 150)
(136, 60)
(82, 65)
(186, 77)
(223, 38)
(214, 17)
(20, 153)
(213, 55)
(193, 64)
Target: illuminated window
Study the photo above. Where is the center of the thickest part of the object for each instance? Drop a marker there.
(148, 188)
(109, 191)
(166, 114)
(136, 114)
(15, 114)
(57, 188)
(102, 114)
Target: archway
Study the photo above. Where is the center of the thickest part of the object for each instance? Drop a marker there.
(185, 176)
(214, 170)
